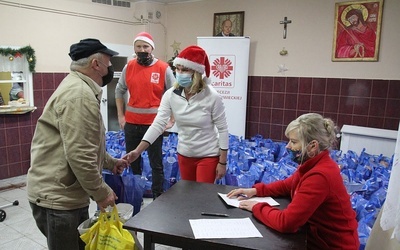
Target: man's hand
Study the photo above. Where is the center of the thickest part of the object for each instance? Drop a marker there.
(121, 121)
(108, 201)
(120, 166)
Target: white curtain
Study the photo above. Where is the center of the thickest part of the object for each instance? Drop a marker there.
(17, 64)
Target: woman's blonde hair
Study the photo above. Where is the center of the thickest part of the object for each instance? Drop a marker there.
(198, 83)
(311, 127)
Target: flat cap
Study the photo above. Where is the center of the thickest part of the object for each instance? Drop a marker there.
(88, 47)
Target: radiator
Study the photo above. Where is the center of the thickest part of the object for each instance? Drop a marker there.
(375, 141)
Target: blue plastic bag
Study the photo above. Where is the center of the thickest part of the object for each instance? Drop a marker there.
(115, 183)
(133, 189)
(171, 168)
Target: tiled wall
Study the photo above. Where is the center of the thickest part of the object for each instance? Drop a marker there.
(16, 131)
(275, 101)
(272, 103)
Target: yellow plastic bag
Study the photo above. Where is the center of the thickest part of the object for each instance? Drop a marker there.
(107, 234)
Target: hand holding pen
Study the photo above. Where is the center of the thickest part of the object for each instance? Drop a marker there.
(242, 193)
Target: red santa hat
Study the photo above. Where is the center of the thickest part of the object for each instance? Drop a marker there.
(195, 58)
(146, 37)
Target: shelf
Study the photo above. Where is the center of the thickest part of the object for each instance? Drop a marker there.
(12, 81)
(16, 110)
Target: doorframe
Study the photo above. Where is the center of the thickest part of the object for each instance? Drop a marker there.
(124, 51)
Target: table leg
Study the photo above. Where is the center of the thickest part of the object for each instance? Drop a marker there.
(148, 242)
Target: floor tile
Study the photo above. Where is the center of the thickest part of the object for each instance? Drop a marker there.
(8, 234)
(23, 243)
(19, 231)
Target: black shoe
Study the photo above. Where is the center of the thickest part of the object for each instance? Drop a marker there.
(155, 195)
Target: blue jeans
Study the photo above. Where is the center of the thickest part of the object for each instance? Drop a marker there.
(60, 226)
(133, 136)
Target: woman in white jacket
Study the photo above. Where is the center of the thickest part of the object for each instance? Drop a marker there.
(200, 118)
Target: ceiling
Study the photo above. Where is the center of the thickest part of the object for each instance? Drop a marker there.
(164, 1)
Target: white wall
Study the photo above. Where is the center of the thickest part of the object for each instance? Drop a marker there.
(50, 27)
(309, 39)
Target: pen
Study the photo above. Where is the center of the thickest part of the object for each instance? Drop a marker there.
(214, 214)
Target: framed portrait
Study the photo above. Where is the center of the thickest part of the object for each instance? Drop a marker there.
(357, 31)
(228, 23)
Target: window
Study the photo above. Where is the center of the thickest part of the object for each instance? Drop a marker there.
(16, 75)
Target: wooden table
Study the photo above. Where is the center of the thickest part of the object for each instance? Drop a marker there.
(166, 220)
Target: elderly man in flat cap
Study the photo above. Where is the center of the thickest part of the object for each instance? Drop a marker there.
(68, 149)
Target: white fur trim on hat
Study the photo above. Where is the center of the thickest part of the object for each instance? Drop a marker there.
(194, 57)
(189, 64)
(146, 37)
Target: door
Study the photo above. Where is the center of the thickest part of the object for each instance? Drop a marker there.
(108, 107)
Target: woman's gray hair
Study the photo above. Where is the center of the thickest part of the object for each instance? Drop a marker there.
(198, 83)
(84, 63)
(311, 127)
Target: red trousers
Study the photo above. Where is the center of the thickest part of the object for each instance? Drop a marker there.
(198, 169)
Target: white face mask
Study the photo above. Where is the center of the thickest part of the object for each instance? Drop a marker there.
(184, 79)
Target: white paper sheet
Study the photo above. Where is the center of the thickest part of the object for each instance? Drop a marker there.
(224, 228)
(235, 202)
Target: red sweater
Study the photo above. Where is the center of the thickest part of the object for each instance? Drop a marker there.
(319, 200)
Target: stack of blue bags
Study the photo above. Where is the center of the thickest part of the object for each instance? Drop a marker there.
(366, 178)
(115, 146)
(128, 187)
(258, 159)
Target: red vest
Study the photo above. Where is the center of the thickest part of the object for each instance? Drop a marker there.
(146, 85)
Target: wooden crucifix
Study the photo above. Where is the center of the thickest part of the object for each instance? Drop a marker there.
(285, 22)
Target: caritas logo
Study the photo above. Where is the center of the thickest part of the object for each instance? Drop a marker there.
(155, 77)
(222, 70)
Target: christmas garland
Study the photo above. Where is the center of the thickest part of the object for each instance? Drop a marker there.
(27, 51)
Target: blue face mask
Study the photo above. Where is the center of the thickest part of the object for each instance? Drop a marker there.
(294, 155)
(184, 80)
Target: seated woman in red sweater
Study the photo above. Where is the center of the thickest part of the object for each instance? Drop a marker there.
(319, 198)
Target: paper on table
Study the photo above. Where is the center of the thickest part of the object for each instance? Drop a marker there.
(235, 202)
(224, 228)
